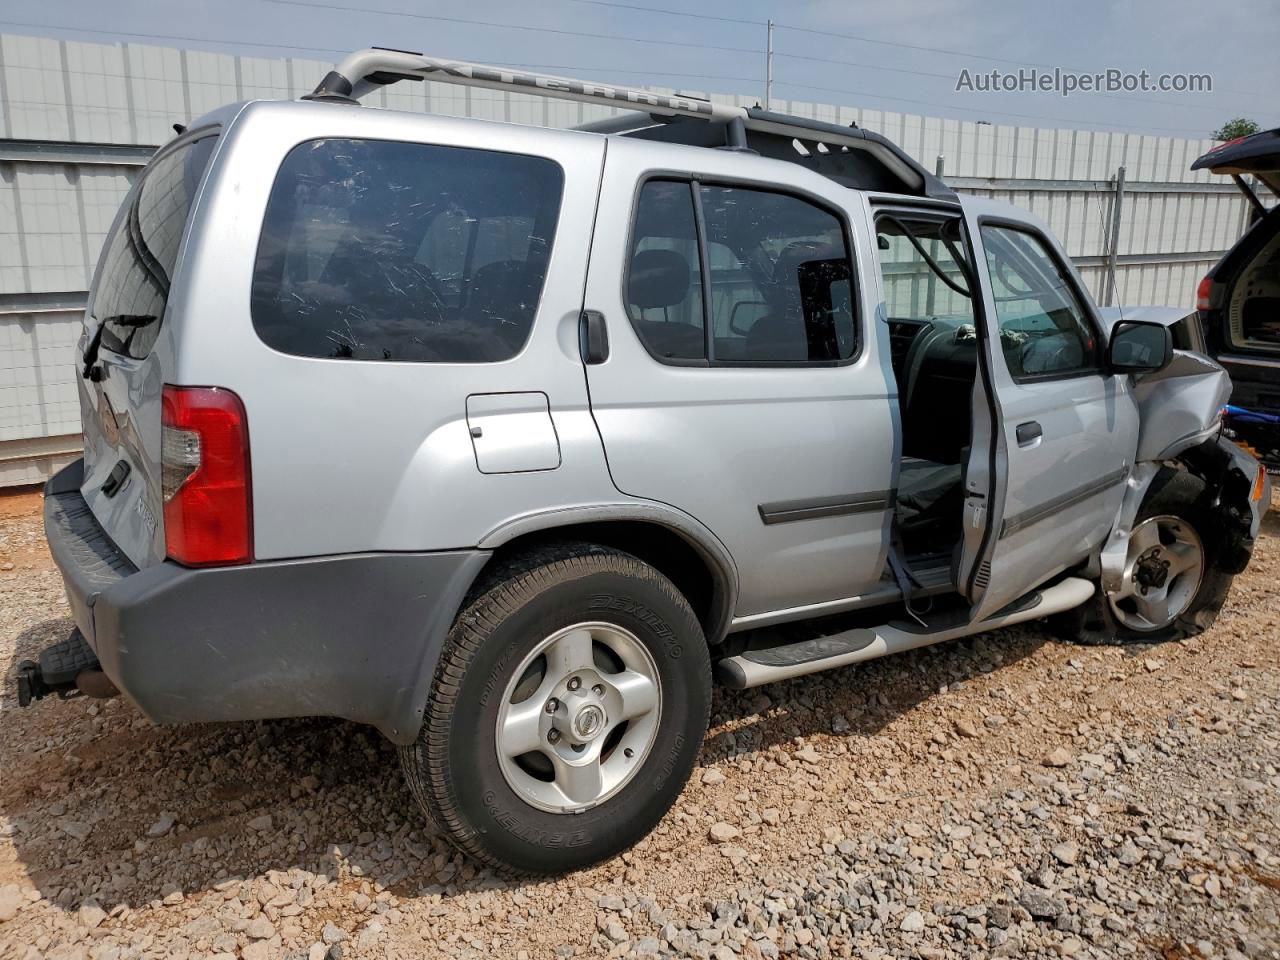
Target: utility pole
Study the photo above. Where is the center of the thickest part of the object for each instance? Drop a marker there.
(1114, 253)
(768, 71)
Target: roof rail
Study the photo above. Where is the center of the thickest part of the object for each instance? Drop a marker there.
(855, 157)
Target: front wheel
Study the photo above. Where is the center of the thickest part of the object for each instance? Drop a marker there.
(1173, 587)
(566, 713)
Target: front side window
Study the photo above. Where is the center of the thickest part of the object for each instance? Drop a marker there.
(1044, 330)
(381, 250)
(778, 269)
(142, 252)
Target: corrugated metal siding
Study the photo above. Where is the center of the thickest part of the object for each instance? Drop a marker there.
(54, 216)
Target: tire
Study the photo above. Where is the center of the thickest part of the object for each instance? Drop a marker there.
(1176, 508)
(498, 808)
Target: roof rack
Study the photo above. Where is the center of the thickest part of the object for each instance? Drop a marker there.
(849, 155)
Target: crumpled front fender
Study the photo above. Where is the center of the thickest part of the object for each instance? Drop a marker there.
(1238, 494)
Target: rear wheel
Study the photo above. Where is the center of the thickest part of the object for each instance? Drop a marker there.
(566, 713)
(1172, 587)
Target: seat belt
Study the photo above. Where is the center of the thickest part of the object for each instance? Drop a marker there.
(906, 580)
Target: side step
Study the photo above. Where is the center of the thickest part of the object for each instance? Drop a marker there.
(757, 667)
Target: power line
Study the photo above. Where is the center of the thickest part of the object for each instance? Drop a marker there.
(889, 43)
(603, 69)
(674, 13)
(167, 36)
(511, 26)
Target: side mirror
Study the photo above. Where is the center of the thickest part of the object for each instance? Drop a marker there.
(1137, 346)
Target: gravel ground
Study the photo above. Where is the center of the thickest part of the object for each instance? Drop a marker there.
(1001, 796)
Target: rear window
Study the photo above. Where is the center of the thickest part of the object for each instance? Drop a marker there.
(141, 254)
(380, 250)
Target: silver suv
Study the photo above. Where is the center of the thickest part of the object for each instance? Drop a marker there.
(499, 438)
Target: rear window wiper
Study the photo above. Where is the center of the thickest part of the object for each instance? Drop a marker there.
(134, 320)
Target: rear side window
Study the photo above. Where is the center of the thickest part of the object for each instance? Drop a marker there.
(381, 250)
(140, 256)
(777, 267)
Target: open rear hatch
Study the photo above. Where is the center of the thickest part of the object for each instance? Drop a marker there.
(1257, 154)
(122, 359)
(1239, 299)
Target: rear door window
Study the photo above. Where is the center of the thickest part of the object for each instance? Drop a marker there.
(381, 250)
(781, 278)
(777, 268)
(142, 252)
(664, 285)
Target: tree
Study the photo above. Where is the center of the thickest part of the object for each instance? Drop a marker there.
(1234, 129)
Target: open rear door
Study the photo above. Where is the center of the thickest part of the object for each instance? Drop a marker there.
(1054, 432)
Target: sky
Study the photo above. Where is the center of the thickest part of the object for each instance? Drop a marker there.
(901, 55)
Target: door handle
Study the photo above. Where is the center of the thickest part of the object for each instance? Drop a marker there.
(1028, 433)
(593, 337)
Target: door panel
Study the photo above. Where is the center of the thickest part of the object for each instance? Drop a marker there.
(1065, 431)
(790, 465)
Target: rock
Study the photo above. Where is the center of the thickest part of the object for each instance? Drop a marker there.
(260, 928)
(76, 829)
(91, 914)
(261, 950)
(317, 951)
(966, 729)
(616, 904)
(1000, 915)
(161, 826)
(1059, 757)
(1066, 853)
(724, 832)
(10, 901)
(261, 823)
(913, 922)
(809, 755)
(332, 933)
(646, 947)
(713, 777)
(171, 895)
(1130, 855)
(1039, 904)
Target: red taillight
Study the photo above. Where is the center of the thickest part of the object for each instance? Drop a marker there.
(1202, 293)
(208, 508)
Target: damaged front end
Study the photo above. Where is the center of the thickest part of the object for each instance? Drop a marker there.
(1180, 426)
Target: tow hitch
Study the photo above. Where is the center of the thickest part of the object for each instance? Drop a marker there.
(68, 668)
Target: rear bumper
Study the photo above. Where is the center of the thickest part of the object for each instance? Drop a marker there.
(354, 636)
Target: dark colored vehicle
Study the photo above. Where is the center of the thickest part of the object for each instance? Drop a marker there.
(1239, 299)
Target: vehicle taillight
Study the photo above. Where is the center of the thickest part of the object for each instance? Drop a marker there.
(204, 467)
(1202, 293)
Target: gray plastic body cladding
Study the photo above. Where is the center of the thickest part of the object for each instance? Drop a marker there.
(353, 636)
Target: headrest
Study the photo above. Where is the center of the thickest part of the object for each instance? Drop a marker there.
(800, 252)
(659, 278)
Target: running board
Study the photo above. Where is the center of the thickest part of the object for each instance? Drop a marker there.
(757, 667)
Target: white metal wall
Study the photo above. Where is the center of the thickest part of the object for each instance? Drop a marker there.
(53, 215)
